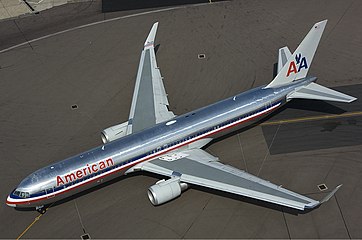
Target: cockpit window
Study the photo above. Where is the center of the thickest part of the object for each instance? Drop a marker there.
(22, 194)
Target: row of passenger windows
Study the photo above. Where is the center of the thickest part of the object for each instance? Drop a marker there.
(158, 149)
(202, 132)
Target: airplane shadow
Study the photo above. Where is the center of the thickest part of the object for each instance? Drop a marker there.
(156, 48)
(315, 106)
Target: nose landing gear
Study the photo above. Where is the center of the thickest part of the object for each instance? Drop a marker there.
(41, 209)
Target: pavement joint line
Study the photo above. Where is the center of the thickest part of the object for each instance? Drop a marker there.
(196, 218)
(286, 223)
(242, 153)
(105, 21)
(314, 118)
(27, 42)
(344, 221)
(80, 218)
(340, 19)
(268, 150)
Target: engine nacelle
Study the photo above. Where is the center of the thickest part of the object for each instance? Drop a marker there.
(164, 191)
(115, 132)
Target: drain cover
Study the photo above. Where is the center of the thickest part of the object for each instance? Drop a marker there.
(201, 56)
(85, 236)
(75, 106)
(322, 187)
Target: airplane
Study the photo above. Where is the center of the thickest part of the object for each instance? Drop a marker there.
(155, 140)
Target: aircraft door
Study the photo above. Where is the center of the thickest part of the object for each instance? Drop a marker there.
(268, 104)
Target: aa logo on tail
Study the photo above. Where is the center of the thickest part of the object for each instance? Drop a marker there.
(299, 63)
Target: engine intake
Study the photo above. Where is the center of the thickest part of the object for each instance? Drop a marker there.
(164, 191)
(115, 132)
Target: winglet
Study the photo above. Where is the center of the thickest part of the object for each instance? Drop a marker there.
(151, 36)
(326, 198)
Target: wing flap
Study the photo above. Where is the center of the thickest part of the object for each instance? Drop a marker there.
(161, 103)
(202, 169)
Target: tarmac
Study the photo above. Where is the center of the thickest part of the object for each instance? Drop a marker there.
(307, 143)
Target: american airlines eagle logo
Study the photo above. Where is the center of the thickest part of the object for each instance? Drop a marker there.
(299, 63)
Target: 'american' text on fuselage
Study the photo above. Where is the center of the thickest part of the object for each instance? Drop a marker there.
(87, 170)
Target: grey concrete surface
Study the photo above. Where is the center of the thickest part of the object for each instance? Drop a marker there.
(95, 68)
(325, 133)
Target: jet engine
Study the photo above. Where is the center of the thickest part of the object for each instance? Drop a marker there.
(115, 132)
(165, 190)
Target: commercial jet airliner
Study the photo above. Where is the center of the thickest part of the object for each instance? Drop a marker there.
(155, 140)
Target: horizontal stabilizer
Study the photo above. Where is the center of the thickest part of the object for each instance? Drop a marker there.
(283, 56)
(331, 194)
(318, 92)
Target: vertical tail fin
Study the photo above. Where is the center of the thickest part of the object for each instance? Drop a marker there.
(298, 64)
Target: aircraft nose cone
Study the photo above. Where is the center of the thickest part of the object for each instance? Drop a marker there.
(9, 201)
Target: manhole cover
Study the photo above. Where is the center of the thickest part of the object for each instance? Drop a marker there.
(322, 187)
(201, 56)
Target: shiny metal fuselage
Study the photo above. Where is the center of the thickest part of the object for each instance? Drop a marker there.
(150, 143)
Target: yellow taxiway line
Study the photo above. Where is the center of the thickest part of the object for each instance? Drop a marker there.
(31, 224)
(313, 118)
(35, 220)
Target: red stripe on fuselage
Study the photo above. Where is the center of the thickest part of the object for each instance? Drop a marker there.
(148, 158)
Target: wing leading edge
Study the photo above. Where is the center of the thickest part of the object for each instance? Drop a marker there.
(200, 168)
(149, 103)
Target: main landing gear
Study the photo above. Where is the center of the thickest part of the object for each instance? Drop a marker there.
(41, 209)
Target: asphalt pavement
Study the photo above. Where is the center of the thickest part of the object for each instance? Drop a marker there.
(95, 66)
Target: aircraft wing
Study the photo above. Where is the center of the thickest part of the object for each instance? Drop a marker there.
(149, 102)
(200, 168)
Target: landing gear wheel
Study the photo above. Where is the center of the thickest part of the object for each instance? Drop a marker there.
(41, 209)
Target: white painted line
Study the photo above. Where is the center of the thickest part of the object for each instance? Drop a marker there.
(103, 21)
